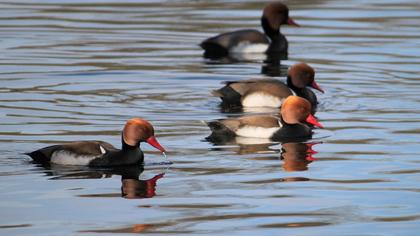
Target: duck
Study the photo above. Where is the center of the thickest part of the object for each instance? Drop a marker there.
(291, 123)
(253, 41)
(271, 92)
(100, 153)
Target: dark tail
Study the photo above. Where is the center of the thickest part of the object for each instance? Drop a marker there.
(216, 93)
(220, 133)
(43, 155)
(228, 95)
(219, 128)
(213, 50)
(38, 157)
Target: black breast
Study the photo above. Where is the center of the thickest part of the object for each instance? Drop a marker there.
(296, 132)
(119, 158)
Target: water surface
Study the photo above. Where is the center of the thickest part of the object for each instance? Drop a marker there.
(77, 70)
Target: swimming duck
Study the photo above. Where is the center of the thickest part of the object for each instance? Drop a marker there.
(99, 153)
(253, 41)
(294, 113)
(271, 92)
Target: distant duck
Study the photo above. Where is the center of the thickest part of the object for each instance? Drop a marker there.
(271, 92)
(253, 41)
(294, 113)
(99, 153)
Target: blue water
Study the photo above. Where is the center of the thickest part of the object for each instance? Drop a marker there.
(77, 70)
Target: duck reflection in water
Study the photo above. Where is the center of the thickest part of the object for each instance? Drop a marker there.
(132, 187)
(292, 149)
(297, 156)
(272, 66)
(244, 145)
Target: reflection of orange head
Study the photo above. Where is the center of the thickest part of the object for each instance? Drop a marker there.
(137, 228)
(295, 163)
(138, 130)
(134, 188)
(296, 156)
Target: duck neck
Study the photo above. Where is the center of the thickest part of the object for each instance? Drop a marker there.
(127, 147)
(273, 34)
(128, 154)
(295, 89)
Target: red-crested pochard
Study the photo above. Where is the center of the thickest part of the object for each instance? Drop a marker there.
(253, 41)
(271, 92)
(291, 124)
(99, 153)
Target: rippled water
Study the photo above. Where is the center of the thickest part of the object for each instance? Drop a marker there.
(74, 70)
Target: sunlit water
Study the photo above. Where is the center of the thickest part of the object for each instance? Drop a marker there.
(74, 70)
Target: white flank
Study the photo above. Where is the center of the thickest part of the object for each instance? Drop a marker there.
(248, 56)
(251, 141)
(256, 132)
(69, 158)
(261, 110)
(247, 47)
(261, 100)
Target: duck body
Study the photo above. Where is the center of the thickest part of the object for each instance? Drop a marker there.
(253, 93)
(271, 92)
(261, 93)
(242, 41)
(291, 123)
(253, 41)
(88, 153)
(265, 127)
(99, 153)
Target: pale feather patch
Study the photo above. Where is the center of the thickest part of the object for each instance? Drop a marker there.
(103, 151)
(261, 100)
(252, 140)
(256, 132)
(261, 110)
(63, 157)
(248, 56)
(280, 124)
(247, 47)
